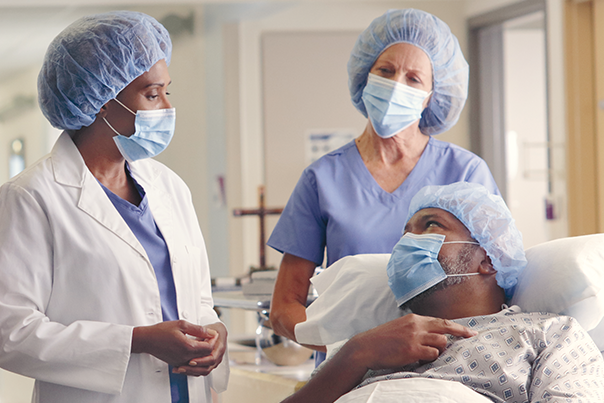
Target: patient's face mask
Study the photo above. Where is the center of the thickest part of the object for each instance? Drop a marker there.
(392, 106)
(154, 130)
(414, 267)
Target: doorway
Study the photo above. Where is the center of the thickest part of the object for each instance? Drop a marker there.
(511, 113)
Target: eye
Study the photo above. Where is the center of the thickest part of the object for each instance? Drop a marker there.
(433, 223)
(414, 79)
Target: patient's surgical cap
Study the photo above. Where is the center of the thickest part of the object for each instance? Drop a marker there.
(433, 36)
(95, 58)
(487, 218)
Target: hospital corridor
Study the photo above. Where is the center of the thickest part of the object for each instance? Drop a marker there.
(220, 201)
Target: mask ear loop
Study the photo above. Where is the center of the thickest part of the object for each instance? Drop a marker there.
(468, 242)
(111, 127)
(463, 275)
(128, 109)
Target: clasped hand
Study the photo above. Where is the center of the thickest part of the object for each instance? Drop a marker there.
(190, 349)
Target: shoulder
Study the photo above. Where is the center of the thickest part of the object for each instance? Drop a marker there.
(333, 160)
(36, 177)
(452, 151)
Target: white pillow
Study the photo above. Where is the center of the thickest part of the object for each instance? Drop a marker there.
(566, 276)
(353, 297)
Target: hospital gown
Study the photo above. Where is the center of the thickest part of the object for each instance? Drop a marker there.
(518, 357)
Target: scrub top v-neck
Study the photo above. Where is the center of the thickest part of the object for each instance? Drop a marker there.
(339, 205)
(141, 222)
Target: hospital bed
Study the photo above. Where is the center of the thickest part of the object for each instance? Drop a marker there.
(564, 276)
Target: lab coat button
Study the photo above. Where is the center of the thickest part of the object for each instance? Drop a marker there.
(185, 314)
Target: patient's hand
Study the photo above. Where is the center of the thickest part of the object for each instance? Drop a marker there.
(395, 344)
(404, 341)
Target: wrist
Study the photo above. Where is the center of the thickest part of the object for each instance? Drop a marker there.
(356, 356)
(137, 345)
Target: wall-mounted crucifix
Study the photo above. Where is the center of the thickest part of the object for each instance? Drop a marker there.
(261, 212)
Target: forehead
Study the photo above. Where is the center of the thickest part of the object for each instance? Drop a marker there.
(433, 213)
(406, 52)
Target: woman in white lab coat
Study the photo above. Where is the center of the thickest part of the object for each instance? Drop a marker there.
(104, 280)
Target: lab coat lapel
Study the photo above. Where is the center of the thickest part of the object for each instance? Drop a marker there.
(160, 201)
(70, 170)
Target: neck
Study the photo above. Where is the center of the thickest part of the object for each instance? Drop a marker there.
(100, 154)
(461, 302)
(408, 145)
(391, 160)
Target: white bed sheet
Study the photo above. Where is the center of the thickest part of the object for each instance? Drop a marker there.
(416, 390)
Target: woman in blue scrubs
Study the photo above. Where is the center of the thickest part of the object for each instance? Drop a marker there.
(407, 75)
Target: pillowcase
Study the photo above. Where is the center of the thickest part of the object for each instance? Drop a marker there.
(353, 297)
(566, 276)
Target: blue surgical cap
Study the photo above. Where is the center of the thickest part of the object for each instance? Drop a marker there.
(487, 218)
(95, 58)
(433, 36)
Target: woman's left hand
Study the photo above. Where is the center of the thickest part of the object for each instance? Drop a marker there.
(202, 366)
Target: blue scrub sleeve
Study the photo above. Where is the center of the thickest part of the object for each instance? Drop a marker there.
(301, 228)
(482, 175)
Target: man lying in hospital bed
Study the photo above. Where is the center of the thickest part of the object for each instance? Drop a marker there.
(465, 347)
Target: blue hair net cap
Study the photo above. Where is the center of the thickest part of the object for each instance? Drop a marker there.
(449, 68)
(95, 58)
(487, 218)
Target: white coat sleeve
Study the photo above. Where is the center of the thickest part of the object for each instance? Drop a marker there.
(83, 354)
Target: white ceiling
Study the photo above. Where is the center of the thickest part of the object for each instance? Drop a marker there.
(25, 33)
(26, 29)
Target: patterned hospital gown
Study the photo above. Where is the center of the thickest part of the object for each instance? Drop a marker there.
(518, 357)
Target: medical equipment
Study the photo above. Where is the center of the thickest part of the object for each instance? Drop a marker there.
(414, 267)
(392, 106)
(87, 64)
(154, 130)
(433, 36)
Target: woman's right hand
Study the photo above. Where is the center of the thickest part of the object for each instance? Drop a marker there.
(288, 305)
(175, 342)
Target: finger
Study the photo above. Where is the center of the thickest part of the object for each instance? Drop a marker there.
(438, 341)
(200, 332)
(208, 361)
(446, 326)
(428, 354)
(193, 371)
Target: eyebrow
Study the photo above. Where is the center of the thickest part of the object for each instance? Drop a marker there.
(157, 84)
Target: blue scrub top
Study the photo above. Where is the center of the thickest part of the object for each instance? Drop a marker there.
(142, 224)
(338, 204)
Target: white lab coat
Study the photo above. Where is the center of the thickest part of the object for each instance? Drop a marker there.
(74, 281)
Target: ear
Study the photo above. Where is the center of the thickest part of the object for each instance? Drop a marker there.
(103, 112)
(486, 266)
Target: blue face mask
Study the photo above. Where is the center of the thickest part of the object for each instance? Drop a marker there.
(392, 106)
(154, 130)
(414, 267)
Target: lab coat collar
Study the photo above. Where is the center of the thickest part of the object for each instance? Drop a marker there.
(67, 162)
(70, 170)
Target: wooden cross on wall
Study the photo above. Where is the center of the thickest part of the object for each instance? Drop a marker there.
(261, 212)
